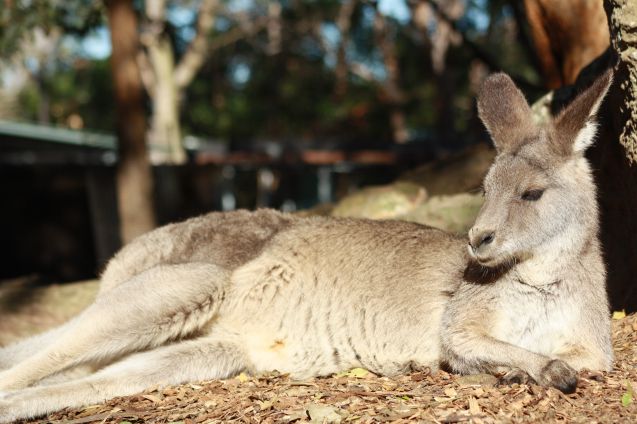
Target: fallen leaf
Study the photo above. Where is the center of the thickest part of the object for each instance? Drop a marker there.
(319, 413)
(265, 405)
(152, 398)
(358, 373)
(619, 314)
(474, 407)
(451, 392)
(242, 377)
(627, 398)
(477, 380)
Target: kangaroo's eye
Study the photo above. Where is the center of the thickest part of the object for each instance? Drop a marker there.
(532, 195)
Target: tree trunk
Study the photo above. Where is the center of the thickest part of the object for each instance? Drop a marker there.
(134, 178)
(568, 35)
(164, 136)
(615, 158)
(165, 133)
(165, 81)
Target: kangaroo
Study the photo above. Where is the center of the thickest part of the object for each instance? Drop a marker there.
(258, 291)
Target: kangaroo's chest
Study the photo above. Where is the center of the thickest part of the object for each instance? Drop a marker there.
(538, 319)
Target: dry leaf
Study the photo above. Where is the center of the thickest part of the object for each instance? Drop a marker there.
(152, 398)
(619, 314)
(242, 377)
(451, 392)
(474, 407)
(320, 413)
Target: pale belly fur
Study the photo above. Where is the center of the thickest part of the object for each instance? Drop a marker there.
(296, 325)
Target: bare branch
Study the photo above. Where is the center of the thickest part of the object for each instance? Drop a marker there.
(478, 51)
(344, 23)
(155, 10)
(390, 60)
(362, 72)
(195, 55)
(274, 28)
(236, 34)
(391, 86)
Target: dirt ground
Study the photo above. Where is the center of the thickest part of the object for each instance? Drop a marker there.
(364, 398)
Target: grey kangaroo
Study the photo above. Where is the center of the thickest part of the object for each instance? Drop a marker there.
(224, 293)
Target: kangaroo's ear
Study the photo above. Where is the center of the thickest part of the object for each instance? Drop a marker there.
(505, 112)
(575, 126)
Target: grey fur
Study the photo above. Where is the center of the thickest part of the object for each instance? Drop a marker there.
(257, 291)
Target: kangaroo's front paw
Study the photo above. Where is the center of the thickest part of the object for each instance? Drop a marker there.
(515, 376)
(559, 374)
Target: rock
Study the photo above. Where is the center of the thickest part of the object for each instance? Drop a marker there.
(455, 213)
(458, 173)
(382, 202)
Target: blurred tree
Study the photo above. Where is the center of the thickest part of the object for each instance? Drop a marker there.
(134, 179)
(441, 35)
(166, 80)
(343, 23)
(567, 35)
(391, 87)
(355, 71)
(34, 47)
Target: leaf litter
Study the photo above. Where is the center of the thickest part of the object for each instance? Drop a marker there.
(359, 396)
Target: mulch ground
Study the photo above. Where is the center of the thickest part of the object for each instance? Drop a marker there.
(364, 398)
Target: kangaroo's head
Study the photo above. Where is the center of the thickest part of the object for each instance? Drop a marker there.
(539, 192)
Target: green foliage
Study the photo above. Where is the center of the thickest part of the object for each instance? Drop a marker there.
(627, 397)
(83, 89)
(287, 95)
(18, 19)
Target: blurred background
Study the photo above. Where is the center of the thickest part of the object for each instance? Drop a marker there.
(117, 116)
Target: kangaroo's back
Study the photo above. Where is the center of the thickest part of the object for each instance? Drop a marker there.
(227, 239)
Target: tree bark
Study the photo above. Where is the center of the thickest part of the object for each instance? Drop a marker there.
(615, 158)
(134, 178)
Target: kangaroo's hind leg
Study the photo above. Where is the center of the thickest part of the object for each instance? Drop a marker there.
(191, 360)
(16, 352)
(164, 303)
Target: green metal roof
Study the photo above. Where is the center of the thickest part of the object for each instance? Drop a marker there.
(57, 135)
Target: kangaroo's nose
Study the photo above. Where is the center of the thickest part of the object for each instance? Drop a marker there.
(481, 238)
